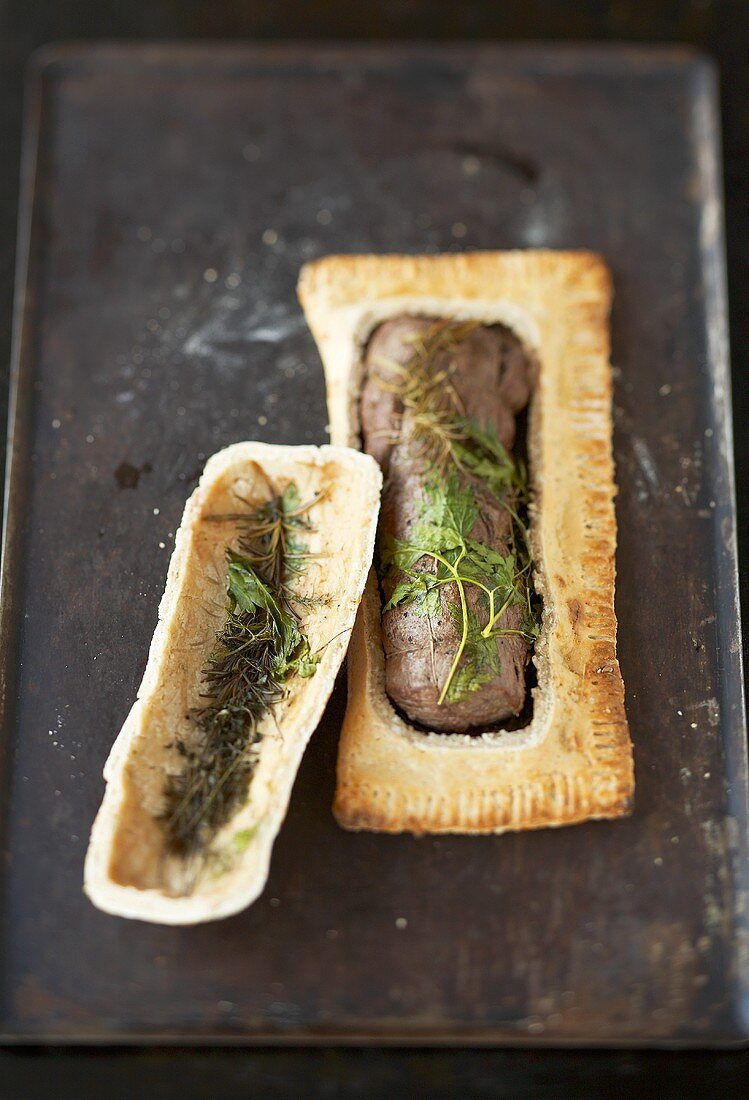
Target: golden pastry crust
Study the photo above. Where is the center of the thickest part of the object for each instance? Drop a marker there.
(127, 871)
(574, 760)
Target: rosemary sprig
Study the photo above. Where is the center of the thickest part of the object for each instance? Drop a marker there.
(258, 648)
(441, 551)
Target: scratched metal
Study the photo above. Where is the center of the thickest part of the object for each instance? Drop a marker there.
(171, 195)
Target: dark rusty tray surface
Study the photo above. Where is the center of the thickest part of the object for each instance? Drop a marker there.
(170, 196)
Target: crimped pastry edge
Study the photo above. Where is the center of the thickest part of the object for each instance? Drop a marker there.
(124, 831)
(574, 761)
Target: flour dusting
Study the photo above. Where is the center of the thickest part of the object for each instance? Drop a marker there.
(222, 336)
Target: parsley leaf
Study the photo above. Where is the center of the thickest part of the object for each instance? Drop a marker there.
(480, 662)
(441, 551)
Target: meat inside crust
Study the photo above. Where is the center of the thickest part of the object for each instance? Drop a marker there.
(451, 378)
(574, 760)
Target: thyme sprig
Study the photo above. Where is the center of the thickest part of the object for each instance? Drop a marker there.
(440, 551)
(258, 648)
(427, 391)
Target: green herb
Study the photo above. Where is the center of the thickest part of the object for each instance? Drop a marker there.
(440, 550)
(258, 648)
(427, 391)
(219, 860)
(243, 837)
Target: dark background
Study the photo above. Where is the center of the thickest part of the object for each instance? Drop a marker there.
(719, 27)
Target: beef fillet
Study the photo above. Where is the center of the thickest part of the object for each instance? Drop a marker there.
(490, 376)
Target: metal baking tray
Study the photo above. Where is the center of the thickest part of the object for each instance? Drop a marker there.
(170, 195)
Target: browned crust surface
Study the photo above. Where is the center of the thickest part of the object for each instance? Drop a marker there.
(574, 761)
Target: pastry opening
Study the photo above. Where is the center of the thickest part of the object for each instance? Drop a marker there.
(444, 410)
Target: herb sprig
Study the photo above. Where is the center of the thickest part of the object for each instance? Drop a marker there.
(258, 648)
(441, 552)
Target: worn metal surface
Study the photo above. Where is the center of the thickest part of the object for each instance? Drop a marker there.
(175, 194)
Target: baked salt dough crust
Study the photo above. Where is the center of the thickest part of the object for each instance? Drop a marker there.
(127, 871)
(574, 760)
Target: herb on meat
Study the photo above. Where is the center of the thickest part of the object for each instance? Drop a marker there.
(443, 434)
(441, 551)
(258, 648)
(428, 391)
